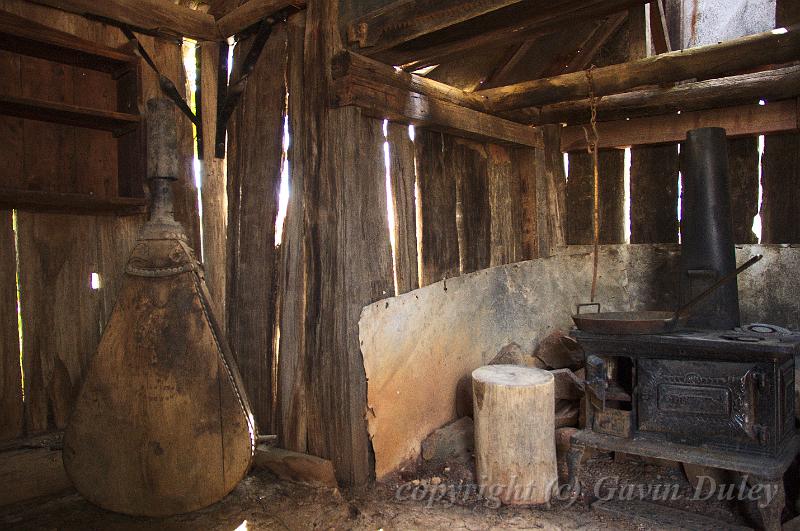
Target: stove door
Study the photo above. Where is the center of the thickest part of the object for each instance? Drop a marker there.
(705, 403)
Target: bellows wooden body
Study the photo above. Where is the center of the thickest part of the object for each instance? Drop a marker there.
(161, 425)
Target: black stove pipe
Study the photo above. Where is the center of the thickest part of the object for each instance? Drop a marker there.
(707, 247)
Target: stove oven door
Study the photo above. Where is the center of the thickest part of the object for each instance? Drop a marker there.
(709, 403)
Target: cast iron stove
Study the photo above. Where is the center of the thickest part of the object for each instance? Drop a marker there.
(723, 399)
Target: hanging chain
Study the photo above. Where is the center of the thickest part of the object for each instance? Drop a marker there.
(592, 146)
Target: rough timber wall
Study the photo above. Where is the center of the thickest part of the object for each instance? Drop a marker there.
(455, 205)
(61, 315)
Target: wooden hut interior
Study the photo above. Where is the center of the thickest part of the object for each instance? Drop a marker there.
(399, 264)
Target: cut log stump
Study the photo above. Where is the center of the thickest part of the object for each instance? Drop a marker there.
(515, 452)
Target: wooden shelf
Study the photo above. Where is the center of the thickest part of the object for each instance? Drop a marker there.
(23, 36)
(62, 113)
(71, 203)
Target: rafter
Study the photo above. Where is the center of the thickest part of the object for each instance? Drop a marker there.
(517, 23)
(705, 62)
(405, 20)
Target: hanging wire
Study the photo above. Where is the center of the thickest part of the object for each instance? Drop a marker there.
(592, 146)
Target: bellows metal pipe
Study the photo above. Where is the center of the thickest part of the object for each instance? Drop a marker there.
(707, 247)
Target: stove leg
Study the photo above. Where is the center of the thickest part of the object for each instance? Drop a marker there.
(574, 456)
(771, 501)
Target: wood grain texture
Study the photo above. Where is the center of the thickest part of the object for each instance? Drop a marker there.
(580, 194)
(214, 197)
(705, 62)
(514, 24)
(401, 21)
(524, 161)
(403, 182)
(551, 192)
(60, 313)
(743, 162)
(506, 210)
(159, 427)
(10, 370)
(518, 456)
(151, 15)
(769, 85)
(356, 65)
(383, 101)
(255, 175)
(250, 13)
(437, 198)
(742, 120)
(780, 214)
(34, 472)
(292, 396)
(348, 253)
(654, 194)
(60, 251)
(467, 163)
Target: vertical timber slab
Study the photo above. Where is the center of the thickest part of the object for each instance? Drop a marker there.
(611, 197)
(348, 256)
(551, 192)
(437, 196)
(11, 137)
(256, 138)
(60, 312)
(654, 194)
(780, 174)
(524, 163)
(403, 180)
(504, 203)
(468, 162)
(214, 198)
(10, 371)
(743, 166)
(292, 398)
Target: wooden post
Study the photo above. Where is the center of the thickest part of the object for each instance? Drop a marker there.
(580, 193)
(743, 164)
(437, 197)
(515, 452)
(403, 179)
(550, 193)
(654, 194)
(781, 177)
(467, 161)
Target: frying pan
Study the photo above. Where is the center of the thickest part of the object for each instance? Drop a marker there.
(647, 321)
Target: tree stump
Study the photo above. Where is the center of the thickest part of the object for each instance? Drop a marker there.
(515, 450)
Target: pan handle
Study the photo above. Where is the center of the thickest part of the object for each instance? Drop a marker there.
(586, 304)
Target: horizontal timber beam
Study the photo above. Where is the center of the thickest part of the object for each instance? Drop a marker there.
(705, 62)
(358, 66)
(252, 12)
(149, 16)
(769, 85)
(513, 24)
(383, 101)
(776, 117)
(404, 20)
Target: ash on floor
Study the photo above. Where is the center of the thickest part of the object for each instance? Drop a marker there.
(403, 502)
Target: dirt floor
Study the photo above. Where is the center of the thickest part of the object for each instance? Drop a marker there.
(406, 502)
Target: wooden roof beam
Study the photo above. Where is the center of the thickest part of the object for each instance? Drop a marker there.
(515, 23)
(357, 66)
(777, 117)
(404, 20)
(252, 12)
(379, 100)
(704, 62)
(148, 16)
(770, 86)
